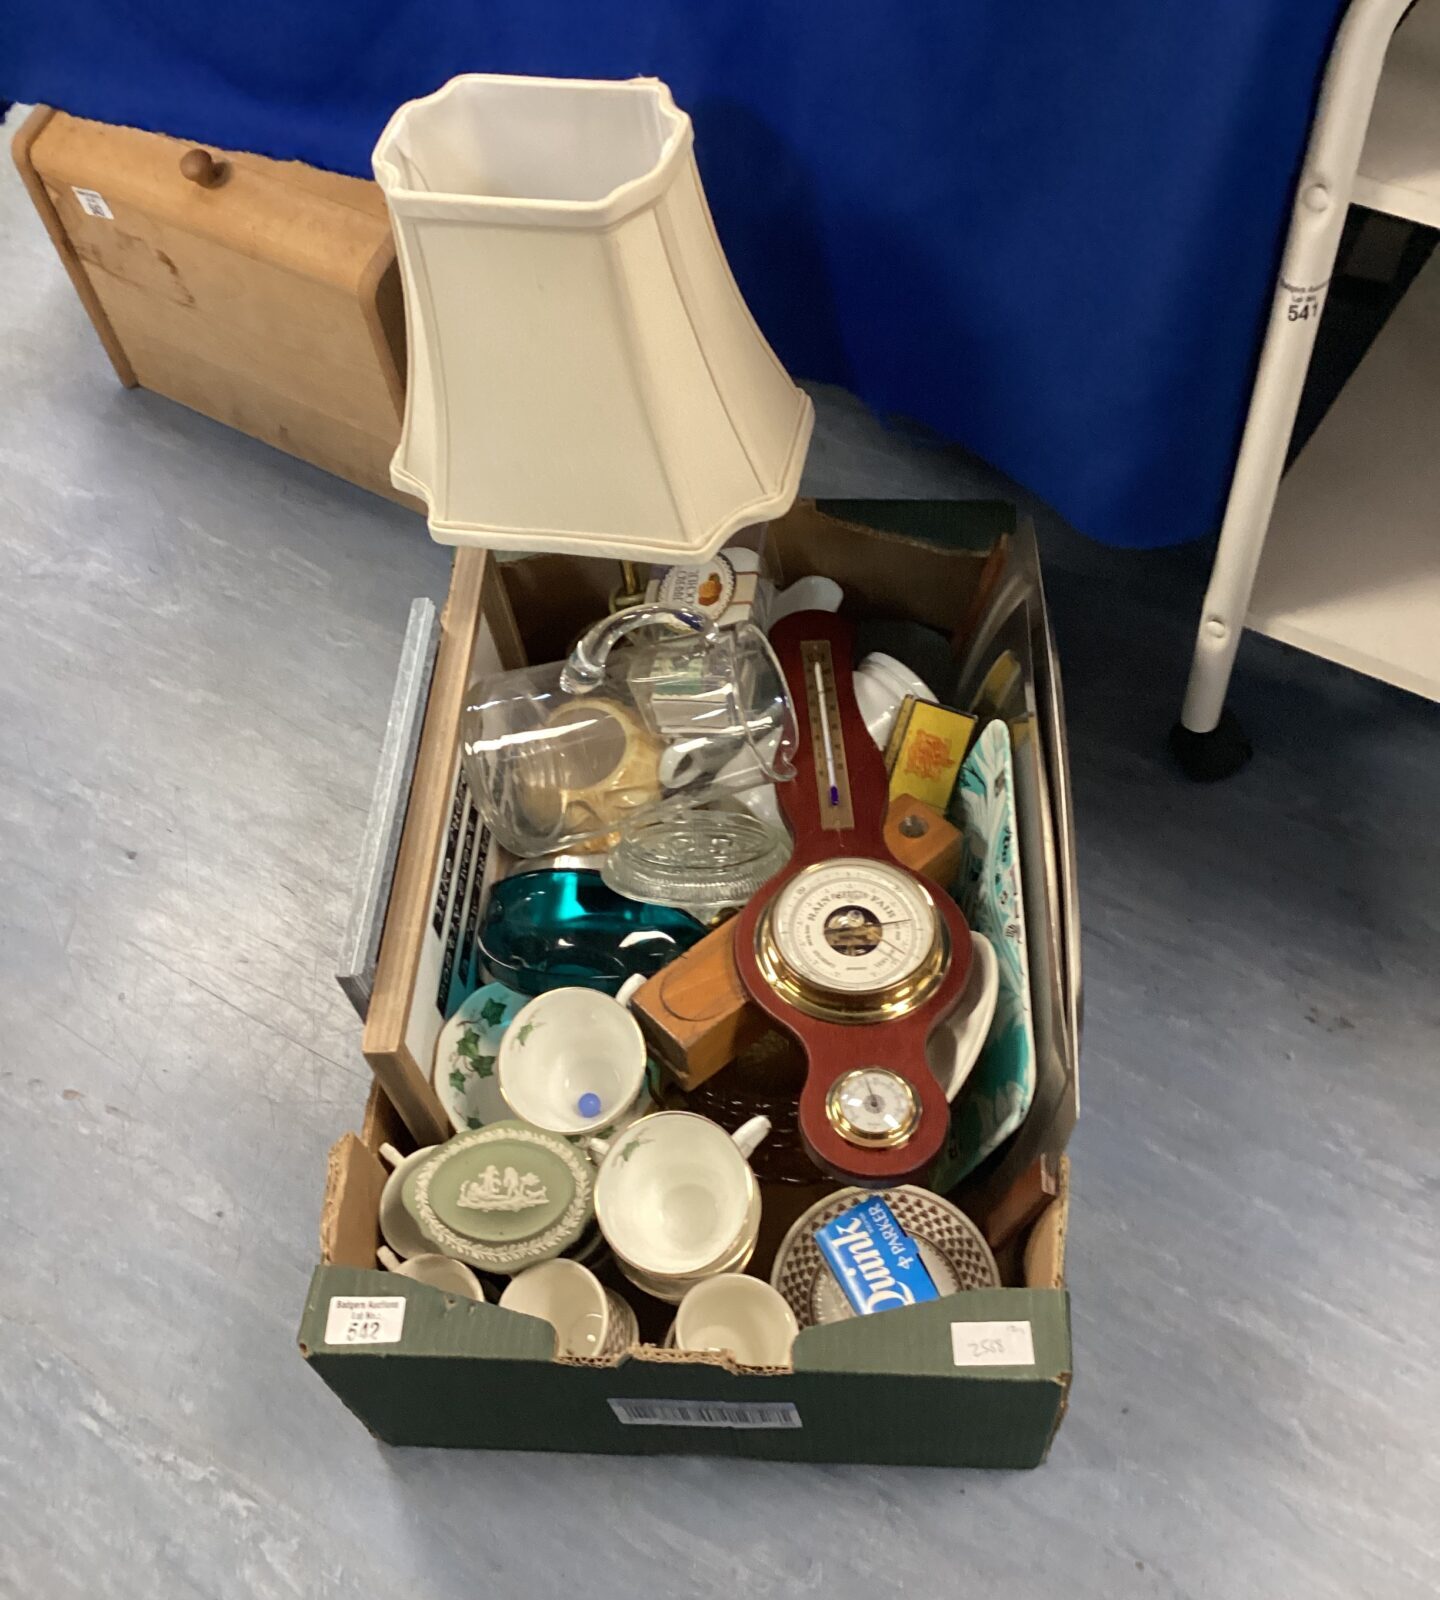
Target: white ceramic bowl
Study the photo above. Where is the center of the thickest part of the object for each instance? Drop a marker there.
(881, 685)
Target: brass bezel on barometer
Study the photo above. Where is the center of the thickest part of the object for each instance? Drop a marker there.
(831, 1005)
(851, 1132)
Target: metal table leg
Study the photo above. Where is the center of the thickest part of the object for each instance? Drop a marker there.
(1208, 741)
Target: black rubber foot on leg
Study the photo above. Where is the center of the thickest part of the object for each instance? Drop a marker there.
(1207, 757)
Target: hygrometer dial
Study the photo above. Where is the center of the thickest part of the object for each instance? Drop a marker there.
(873, 1107)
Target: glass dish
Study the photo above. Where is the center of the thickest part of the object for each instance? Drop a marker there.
(552, 928)
(701, 861)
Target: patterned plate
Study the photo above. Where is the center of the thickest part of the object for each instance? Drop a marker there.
(1001, 1085)
(951, 1246)
(464, 1077)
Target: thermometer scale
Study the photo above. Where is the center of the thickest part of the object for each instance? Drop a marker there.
(825, 712)
(845, 940)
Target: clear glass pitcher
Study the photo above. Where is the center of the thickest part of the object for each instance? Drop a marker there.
(562, 756)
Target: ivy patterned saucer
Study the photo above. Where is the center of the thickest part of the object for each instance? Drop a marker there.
(465, 1076)
(503, 1197)
(951, 1246)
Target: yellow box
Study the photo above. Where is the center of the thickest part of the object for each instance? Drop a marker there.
(926, 749)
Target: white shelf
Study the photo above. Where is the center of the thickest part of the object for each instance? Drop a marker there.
(1351, 565)
(1400, 168)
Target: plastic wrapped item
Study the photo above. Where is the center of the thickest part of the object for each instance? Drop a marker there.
(561, 756)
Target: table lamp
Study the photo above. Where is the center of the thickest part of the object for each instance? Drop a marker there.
(584, 375)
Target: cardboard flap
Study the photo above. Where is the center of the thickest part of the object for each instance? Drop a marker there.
(434, 1324)
(919, 1342)
(348, 1227)
(945, 544)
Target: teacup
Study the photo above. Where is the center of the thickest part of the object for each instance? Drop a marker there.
(587, 1318)
(402, 1233)
(439, 1272)
(573, 1060)
(674, 1289)
(675, 1196)
(742, 1316)
(881, 685)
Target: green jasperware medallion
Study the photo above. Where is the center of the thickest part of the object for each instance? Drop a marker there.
(503, 1197)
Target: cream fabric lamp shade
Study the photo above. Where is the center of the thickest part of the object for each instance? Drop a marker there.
(584, 374)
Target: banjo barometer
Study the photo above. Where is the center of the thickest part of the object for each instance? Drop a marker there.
(848, 950)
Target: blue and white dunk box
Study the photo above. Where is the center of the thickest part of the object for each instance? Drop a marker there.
(874, 1260)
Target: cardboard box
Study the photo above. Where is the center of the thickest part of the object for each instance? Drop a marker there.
(977, 1379)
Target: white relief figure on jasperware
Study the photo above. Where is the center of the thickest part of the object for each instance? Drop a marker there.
(511, 1192)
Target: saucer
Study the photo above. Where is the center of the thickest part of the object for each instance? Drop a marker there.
(465, 1076)
(398, 1227)
(951, 1246)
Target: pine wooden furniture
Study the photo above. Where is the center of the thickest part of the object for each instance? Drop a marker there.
(262, 293)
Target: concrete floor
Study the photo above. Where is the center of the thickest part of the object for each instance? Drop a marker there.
(198, 638)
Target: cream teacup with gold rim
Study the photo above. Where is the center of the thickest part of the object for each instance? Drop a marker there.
(572, 1060)
(676, 1199)
(588, 1319)
(439, 1272)
(738, 1316)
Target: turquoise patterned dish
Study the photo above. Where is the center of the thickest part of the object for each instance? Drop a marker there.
(994, 1101)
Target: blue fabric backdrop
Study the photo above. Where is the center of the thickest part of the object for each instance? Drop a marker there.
(1048, 230)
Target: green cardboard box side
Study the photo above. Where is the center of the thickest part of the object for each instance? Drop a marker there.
(883, 1389)
(878, 1389)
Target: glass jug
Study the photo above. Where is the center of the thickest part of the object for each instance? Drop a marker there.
(562, 756)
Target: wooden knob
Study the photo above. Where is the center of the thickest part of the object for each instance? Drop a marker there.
(202, 168)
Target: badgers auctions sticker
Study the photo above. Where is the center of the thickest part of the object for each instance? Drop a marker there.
(365, 1319)
(92, 203)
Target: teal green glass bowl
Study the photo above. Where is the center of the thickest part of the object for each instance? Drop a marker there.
(559, 926)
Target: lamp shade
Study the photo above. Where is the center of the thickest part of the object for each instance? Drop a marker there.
(584, 374)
